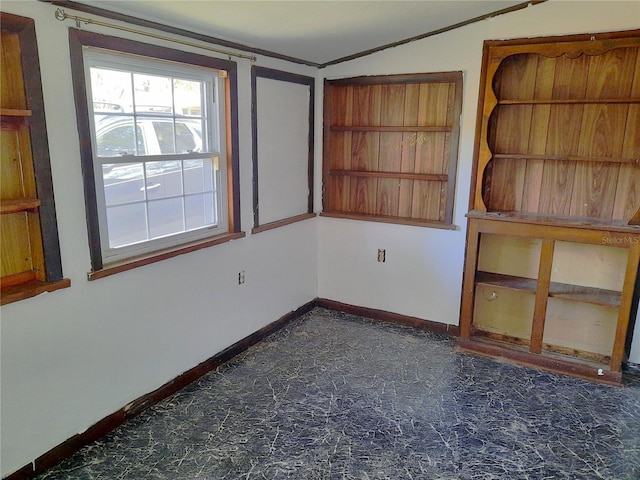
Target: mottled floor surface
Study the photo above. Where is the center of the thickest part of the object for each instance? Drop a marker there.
(334, 396)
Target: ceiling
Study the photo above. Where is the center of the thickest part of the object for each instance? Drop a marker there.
(315, 32)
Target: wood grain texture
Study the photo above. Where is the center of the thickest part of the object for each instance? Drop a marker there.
(402, 127)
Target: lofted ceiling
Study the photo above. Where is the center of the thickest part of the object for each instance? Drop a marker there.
(314, 32)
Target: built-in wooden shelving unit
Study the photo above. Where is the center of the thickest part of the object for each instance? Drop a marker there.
(553, 242)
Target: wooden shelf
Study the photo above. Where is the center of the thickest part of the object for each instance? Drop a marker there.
(399, 175)
(589, 223)
(30, 289)
(508, 282)
(14, 112)
(565, 158)
(389, 128)
(568, 101)
(575, 293)
(19, 205)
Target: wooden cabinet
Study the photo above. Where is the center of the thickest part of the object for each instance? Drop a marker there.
(553, 241)
(29, 257)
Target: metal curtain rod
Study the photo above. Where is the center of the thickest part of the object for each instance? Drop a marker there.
(61, 15)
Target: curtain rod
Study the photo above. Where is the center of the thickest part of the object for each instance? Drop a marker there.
(61, 15)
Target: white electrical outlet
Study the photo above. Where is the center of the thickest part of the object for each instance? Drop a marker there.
(241, 277)
(382, 254)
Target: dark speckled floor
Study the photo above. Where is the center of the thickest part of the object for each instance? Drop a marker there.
(334, 396)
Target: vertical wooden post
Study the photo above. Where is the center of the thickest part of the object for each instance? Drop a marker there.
(542, 295)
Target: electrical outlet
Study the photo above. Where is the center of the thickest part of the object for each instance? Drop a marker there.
(382, 255)
(241, 278)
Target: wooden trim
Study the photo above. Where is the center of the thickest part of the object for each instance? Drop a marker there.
(163, 254)
(436, 77)
(396, 220)
(581, 37)
(77, 40)
(109, 423)
(390, 317)
(555, 365)
(282, 223)
(279, 75)
(434, 32)
(30, 289)
(93, 10)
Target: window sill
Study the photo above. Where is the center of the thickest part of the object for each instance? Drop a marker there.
(397, 220)
(282, 223)
(30, 289)
(157, 256)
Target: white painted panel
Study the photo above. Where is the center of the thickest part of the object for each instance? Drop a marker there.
(283, 149)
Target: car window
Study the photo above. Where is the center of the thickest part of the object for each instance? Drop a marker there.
(120, 140)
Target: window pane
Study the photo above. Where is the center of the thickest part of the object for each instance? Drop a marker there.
(188, 138)
(127, 224)
(165, 135)
(198, 176)
(199, 211)
(187, 97)
(165, 217)
(111, 90)
(152, 94)
(164, 179)
(122, 183)
(115, 136)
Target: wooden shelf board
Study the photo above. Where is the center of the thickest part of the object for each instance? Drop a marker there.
(566, 101)
(508, 282)
(14, 112)
(29, 289)
(390, 128)
(18, 205)
(589, 223)
(576, 293)
(434, 177)
(564, 158)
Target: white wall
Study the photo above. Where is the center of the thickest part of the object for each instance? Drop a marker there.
(72, 357)
(423, 272)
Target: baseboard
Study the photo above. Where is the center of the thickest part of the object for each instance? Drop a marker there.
(107, 424)
(390, 317)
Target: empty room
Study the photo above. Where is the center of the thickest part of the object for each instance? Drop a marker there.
(320, 239)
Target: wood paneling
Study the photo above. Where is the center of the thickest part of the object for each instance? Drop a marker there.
(400, 128)
(571, 124)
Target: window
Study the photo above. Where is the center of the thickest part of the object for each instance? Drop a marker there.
(391, 148)
(30, 261)
(161, 169)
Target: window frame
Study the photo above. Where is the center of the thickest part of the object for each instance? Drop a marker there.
(78, 40)
(455, 107)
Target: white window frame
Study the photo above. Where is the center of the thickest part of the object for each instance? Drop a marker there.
(214, 131)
